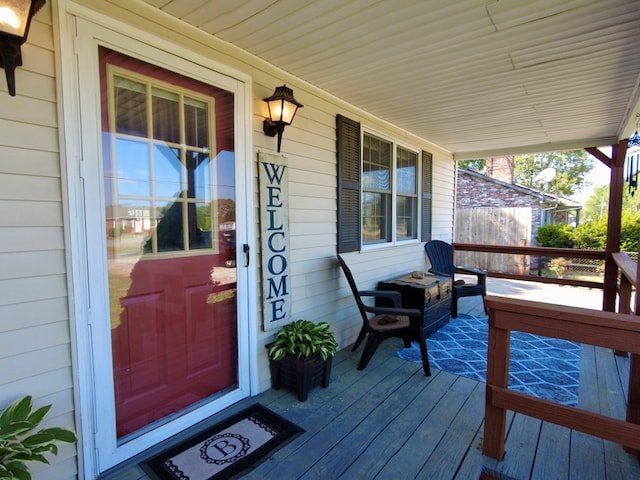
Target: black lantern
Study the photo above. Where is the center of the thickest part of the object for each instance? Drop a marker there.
(15, 19)
(282, 109)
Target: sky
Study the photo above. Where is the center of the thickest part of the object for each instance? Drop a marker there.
(600, 175)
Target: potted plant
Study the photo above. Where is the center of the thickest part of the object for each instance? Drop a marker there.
(300, 358)
(19, 444)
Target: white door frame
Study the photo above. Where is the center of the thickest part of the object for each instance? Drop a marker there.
(81, 32)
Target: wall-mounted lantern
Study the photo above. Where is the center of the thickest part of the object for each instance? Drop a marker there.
(282, 109)
(15, 19)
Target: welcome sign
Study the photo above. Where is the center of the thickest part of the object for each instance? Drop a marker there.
(274, 223)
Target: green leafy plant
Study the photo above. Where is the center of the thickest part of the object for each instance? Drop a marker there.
(303, 338)
(19, 444)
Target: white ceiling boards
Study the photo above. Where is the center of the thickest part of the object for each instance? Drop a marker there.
(472, 76)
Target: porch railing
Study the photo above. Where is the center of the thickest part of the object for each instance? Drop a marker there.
(606, 329)
(578, 256)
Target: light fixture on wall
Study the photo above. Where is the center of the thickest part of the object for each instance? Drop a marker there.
(15, 19)
(282, 109)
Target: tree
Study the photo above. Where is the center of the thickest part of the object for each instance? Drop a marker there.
(571, 168)
(597, 205)
(477, 164)
(593, 234)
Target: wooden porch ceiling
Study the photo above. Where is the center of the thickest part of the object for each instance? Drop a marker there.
(476, 77)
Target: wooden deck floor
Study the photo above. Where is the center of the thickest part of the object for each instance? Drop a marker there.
(391, 422)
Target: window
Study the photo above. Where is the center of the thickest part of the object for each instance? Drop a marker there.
(384, 190)
(406, 194)
(162, 179)
(388, 181)
(376, 190)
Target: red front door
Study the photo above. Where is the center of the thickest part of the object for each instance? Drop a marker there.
(170, 239)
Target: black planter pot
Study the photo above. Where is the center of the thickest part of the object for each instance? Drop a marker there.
(300, 374)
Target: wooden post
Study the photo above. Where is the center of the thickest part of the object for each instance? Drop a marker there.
(495, 419)
(616, 187)
(614, 222)
(633, 406)
(624, 302)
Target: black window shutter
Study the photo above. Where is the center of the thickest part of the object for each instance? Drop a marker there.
(349, 230)
(427, 165)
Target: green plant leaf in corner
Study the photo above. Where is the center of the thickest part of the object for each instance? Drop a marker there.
(19, 471)
(19, 444)
(16, 412)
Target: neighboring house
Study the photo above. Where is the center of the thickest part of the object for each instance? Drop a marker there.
(497, 212)
(152, 235)
(476, 190)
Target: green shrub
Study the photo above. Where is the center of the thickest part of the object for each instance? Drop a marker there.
(591, 235)
(629, 231)
(555, 235)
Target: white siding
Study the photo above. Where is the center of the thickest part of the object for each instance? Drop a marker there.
(35, 353)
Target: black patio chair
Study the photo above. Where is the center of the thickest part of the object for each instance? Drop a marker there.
(380, 323)
(441, 257)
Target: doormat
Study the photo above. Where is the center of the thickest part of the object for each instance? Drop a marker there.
(544, 367)
(235, 445)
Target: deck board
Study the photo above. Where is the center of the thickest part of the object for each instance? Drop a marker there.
(357, 443)
(389, 421)
(580, 465)
(374, 456)
(554, 447)
(612, 403)
(448, 455)
(406, 463)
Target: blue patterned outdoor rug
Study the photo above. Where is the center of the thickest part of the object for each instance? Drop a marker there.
(547, 368)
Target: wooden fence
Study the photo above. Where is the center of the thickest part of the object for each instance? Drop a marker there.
(494, 226)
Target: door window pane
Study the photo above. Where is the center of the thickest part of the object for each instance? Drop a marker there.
(128, 224)
(169, 230)
(130, 101)
(166, 116)
(196, 118)
(198, 175)
(133, 174)
(167, 171)
(200, 236)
